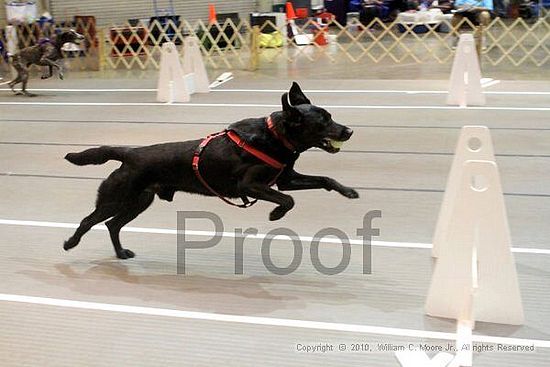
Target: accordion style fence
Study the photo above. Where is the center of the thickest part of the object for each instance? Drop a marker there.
(231, 45)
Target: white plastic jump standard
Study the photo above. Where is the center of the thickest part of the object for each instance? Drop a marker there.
(194, 64)
(465, 84)
(474, 143)
(177, 83)
(475, 278)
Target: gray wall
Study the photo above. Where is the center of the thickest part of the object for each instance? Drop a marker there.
(108, 12)
(2, 15)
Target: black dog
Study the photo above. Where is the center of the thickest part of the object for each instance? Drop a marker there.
(45, 53)
(226, 169)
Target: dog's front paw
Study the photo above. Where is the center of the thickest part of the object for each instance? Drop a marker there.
(277, 213)
(61, 75)
(70, 243)
(349, 193)
(125, 254)
(44, 77)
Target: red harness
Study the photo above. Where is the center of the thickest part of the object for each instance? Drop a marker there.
(249, 149)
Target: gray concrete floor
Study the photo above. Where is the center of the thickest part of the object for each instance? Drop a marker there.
(398, 159)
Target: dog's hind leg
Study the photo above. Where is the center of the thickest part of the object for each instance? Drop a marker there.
(101, 213)
(15, 81)
(24, 81)
(110, 201)
(22, 77)
(124, 217)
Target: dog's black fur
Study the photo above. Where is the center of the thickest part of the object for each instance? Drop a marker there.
(43, 54)
(163, 169)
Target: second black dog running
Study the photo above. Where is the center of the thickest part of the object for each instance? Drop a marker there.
(262, 157)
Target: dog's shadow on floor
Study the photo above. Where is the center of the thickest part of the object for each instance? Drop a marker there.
(115, 282)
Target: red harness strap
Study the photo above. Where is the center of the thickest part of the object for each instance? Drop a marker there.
(255, 152)
(281, 138)
(246, 147)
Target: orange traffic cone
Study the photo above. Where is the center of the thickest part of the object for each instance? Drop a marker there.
(212, 14)
(319, 37)
(290, 14)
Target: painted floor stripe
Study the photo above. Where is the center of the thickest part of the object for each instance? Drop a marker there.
(249, 105)
(224, 123)
(102, 90)
(267, 321)
(259, 236)
(320, 91)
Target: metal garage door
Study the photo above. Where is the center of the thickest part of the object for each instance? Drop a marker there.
(109, 12)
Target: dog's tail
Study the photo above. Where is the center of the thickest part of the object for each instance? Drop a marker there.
(98, 155)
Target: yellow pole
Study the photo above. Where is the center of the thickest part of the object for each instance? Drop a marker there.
(255, 48)
(101, 49)
(479, 43)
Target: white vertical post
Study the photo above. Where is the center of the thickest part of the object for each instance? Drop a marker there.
(465, 83)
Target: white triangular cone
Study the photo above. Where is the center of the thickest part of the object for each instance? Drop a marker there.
(194, 64)
(474, 143)
(172, 86)
(465, 84)
(475, 278)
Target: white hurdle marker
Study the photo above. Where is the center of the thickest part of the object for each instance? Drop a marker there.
(474, 143)
(475, 268)
(474, 277)
(177, 83)
(465, 82)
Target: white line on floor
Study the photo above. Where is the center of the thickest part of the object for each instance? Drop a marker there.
(320, 91)
(249, 105)
(267, 321)
(490, 83)
(259, 236)
(380, 91)
(105, 90)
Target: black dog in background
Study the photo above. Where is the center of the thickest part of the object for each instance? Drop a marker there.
(228, 169)
(45, 53)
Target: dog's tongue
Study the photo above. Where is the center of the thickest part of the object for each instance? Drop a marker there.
(336, 144)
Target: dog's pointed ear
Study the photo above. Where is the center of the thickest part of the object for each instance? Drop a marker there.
(287, 106)
(297, 97)
(289, 109)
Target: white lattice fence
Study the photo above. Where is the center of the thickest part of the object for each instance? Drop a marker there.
(231, 46)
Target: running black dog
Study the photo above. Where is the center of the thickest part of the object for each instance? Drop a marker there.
(243, 161)
(45, 53)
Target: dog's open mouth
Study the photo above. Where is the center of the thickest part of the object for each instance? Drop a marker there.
(331, 145)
